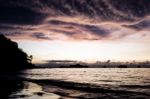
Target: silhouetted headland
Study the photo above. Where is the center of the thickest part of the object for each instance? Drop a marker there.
(12, 58)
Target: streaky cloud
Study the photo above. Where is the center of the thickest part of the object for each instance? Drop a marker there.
(142, 25)
(94, 29)
(38, 35)
(74, 19)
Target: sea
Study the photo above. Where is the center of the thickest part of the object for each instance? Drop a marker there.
(84, 83)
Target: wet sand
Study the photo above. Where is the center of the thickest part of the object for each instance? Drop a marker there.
(32, 91)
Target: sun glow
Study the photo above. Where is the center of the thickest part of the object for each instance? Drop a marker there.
(88, 51)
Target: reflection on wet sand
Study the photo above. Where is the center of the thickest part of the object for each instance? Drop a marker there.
(32, 91)
(48, 90)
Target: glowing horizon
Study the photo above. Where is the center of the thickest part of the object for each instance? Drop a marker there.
(85, 51)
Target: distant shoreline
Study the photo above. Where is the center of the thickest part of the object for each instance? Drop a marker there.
(95, 65)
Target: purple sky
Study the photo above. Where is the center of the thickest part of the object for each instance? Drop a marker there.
(86, 30)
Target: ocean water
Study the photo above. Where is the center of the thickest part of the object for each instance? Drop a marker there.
(116, 83)
(98, 76)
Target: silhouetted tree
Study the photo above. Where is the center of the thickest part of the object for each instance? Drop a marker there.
(11, 57)
(30, 58)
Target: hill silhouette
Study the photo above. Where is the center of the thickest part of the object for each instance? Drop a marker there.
(12, 59)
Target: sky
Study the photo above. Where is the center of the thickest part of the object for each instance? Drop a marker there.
(81, 30)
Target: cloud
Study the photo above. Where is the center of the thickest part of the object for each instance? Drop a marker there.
(142, 25)
(92, 29)
(19, 15)
(73, 19)
(97, 30)
(104, 9)
(61, 61)
(14, 34)
(40, 36)
(32, 12)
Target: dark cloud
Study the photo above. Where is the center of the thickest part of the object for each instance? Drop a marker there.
(97, 30)
(68, 33)
(40, 36)
(85, 27)
(138, 8)
(61, 61)
(34, 11)
(118, 10)
(19, 15)
(58, 22)
(12, 33)
(142, 25)
(6, 27)
(51, 12)
(15, 12)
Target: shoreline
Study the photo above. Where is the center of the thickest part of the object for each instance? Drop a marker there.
(65, 89)
(36, 84)
(49, 89)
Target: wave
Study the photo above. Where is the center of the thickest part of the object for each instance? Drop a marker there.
(61, 88)
(87, 87)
